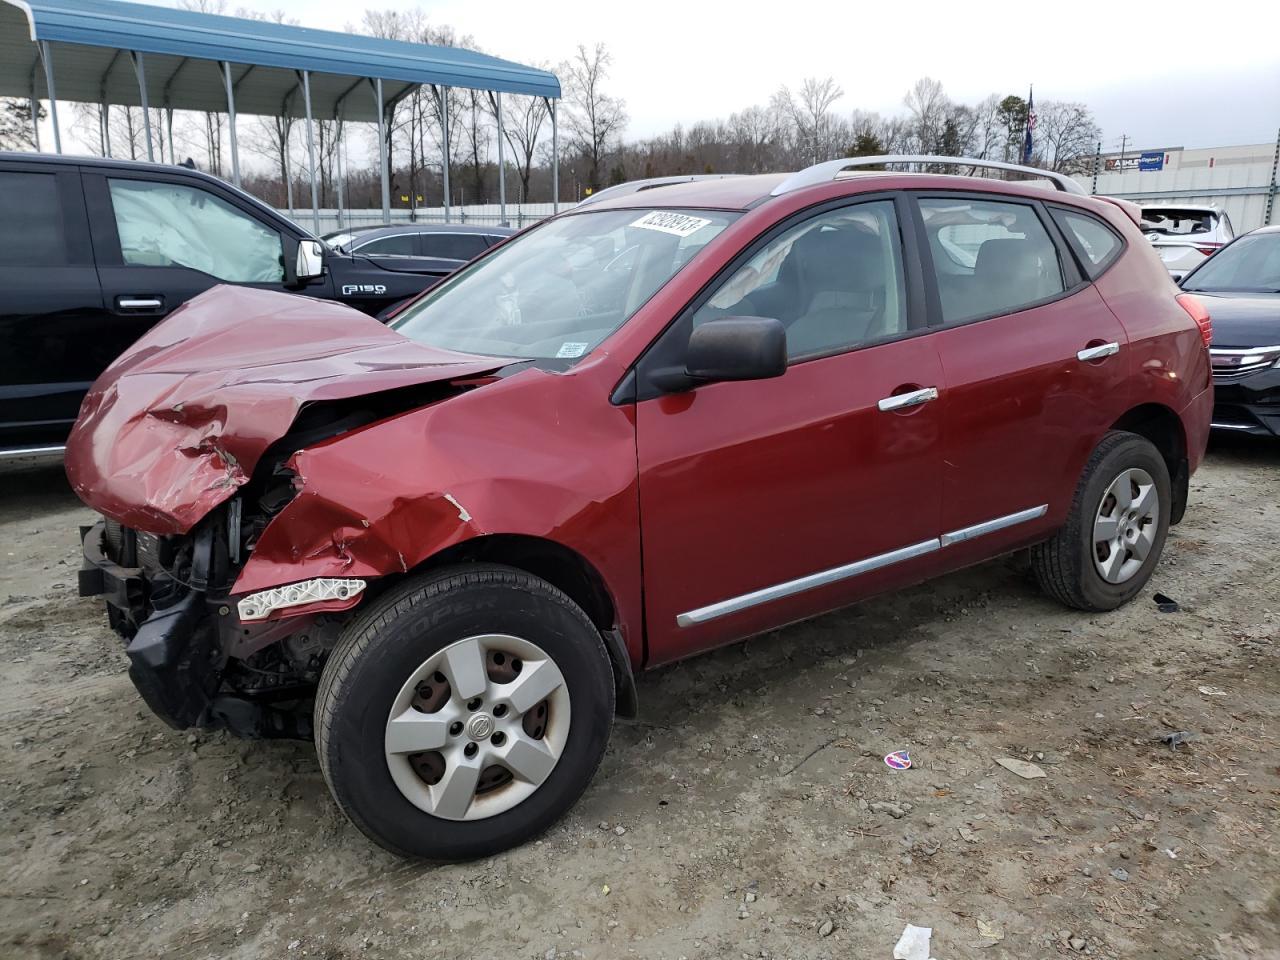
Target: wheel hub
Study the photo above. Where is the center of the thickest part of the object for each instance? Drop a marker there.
(1126, 525)
(478, 727)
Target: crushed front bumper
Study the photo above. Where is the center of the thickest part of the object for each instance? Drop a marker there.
(171, 639)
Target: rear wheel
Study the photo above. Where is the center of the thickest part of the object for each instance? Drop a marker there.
(464, 713)
(1114, 535)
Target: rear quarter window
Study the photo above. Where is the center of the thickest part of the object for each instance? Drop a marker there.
(32, 232)
(1096, 244)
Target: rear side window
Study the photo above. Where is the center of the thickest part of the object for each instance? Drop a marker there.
(404, 245)
(1096, 241)
(31, 221)
(454, 246)
(989, 258)
(171, 225)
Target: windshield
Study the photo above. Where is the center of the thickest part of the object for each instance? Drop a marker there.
(1251, 264)
(564, 286)
(339, 240)
(1177, 222)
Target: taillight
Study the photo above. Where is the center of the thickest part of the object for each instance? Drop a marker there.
(1208, 249)
(1199, 313)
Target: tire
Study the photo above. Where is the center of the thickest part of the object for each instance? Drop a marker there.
(1070, 566)
(375, 666)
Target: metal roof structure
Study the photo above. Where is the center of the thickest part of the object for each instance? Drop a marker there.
(117, 53)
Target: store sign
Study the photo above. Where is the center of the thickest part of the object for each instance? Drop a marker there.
(1151, 160)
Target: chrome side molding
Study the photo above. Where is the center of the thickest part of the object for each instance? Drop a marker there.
(822, 578)
(48, 452)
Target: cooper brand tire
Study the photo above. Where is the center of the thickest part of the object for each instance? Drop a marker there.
(464, 712)
(1105, 552)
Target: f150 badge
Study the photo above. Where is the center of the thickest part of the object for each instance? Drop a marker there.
(351, 289)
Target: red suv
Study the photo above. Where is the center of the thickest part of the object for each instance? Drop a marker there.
(655, 424)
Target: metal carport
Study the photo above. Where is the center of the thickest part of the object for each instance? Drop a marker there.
(131, 54)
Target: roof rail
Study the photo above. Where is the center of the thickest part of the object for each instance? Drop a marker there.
(825, 172)
(635, 186)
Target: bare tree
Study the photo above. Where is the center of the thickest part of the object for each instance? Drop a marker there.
(522, 122)
(927, 104)
(1065, 136)
(594, 118)
(817, 131)
(16, 129)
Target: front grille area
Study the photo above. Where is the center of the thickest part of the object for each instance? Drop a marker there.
(1230, 365)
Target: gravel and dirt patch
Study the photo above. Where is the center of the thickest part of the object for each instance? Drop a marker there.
(748, 813)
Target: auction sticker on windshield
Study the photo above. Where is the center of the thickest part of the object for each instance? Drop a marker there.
(676, 224)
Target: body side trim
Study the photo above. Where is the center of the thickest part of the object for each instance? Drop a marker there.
(824, 577)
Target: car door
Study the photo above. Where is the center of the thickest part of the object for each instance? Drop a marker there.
(51, 315)
(1037, 369)
(162, 239)
(768, 501)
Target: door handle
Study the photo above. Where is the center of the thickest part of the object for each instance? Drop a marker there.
(913, 399)
(139, 303)
(1098, 352)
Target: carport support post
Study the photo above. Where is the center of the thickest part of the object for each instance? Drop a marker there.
(311, 152)
(53, 94)
(382, 151)
(231, 123)
(555, 160)
(140, 68)
(444, 139)
(502, 165)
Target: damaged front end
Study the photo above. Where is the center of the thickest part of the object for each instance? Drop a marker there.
(193, 655)
(184, 447)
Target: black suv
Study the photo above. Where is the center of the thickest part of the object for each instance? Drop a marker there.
(94, 252)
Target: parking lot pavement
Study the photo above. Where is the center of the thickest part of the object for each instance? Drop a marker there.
(748, 813)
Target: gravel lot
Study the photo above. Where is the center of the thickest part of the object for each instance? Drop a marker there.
(747, 813)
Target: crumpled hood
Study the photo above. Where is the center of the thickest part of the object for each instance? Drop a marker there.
(177, 424)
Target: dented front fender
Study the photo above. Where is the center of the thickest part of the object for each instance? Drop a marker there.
(384, 499)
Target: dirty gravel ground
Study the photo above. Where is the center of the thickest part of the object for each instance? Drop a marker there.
(737, 818)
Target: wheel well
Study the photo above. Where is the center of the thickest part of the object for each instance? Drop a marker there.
(545, 559)
(1161, 426)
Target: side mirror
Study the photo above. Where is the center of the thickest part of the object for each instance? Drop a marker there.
(737, 348)
(310, 259)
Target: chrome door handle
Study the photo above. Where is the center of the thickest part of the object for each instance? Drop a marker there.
(1097, 353)
(139, 303)
(912, 399)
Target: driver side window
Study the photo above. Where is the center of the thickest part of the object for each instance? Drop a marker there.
(834, 281)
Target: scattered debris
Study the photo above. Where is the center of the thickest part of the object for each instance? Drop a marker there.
(1212, 691)
(892, 809)
(1176, 739)
(913, 944)
(604, 891)
(898, 760)
(1027, 771)
(1078, 944)
(826, 928)
(1121, 874)
(1166, 604)
(968, 836)
(989, 929)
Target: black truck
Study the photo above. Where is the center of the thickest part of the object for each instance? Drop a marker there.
(94, 252)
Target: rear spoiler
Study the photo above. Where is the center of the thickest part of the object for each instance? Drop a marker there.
(1133, 211)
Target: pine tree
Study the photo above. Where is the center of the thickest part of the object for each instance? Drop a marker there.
(16, 132)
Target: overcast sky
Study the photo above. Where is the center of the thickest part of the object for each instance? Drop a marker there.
(1169, 73)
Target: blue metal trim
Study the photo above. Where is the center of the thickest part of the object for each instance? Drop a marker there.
(162, 30)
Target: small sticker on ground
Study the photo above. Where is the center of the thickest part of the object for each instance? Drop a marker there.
(898, 760)
(676, 224)
(571, 350)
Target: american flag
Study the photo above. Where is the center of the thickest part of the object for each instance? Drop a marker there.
(1027, 140)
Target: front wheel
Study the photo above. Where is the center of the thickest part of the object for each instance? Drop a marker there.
(464, 713)
(1112, 540)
